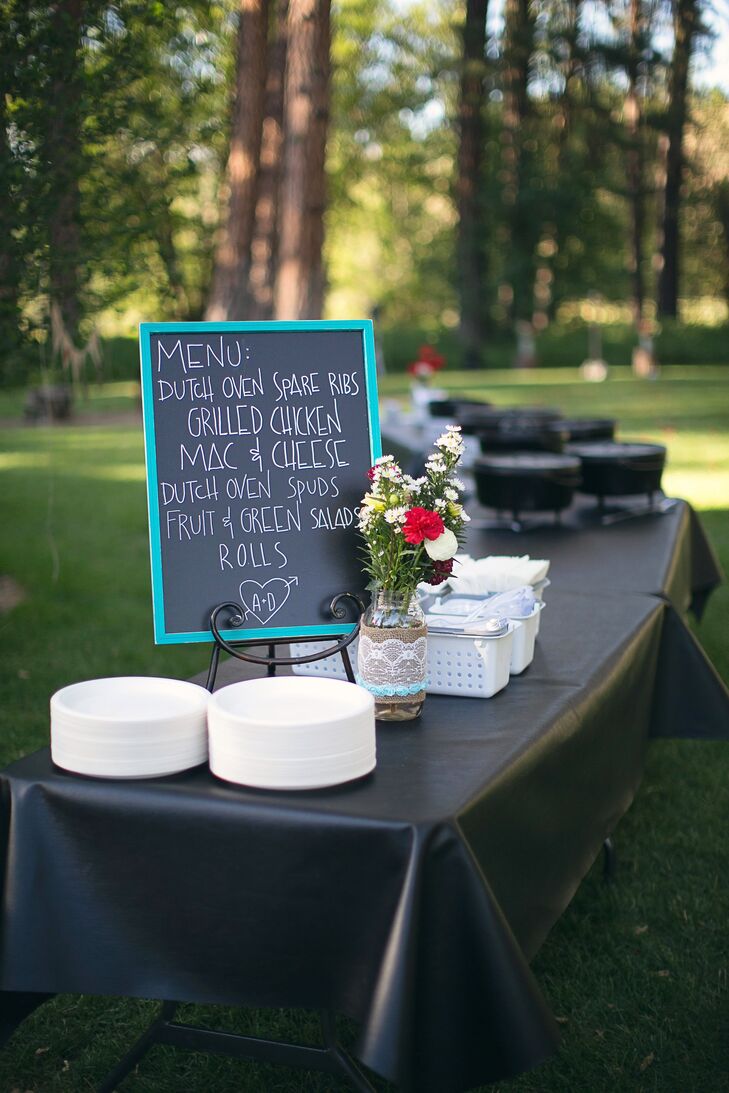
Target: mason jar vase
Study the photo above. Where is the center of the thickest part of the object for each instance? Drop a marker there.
(392, 655)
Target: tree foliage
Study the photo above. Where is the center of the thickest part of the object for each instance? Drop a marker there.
(112, 144)
(115, 134)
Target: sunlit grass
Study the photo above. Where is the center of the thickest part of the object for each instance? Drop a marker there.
(24, 460)
(706, 489)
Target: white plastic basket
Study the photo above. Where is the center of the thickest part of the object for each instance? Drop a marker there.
(522, 652)
(457, 665)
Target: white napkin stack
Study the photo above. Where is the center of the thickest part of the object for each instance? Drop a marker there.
(496, 573)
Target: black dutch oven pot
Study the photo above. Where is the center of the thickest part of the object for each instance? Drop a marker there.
(522, 434)
(455, 408)
(614, 469)
(527, 481)
(475, 419)
(578, 429)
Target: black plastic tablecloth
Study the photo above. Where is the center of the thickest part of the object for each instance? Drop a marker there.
(412, 900)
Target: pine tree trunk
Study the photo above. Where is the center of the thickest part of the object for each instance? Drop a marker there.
(232, 256)
(519, 46)
(471, 257)
(635, 160)
(299, 281)
(61, 154)
(317, 189)
(265, 231)
(556, 224)
(685, 22)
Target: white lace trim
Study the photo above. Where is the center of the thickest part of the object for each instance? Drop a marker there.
(392, 663)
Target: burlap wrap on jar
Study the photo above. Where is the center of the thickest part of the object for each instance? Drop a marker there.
(392, 662)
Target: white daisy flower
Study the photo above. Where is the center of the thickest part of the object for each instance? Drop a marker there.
(396, 516)
(436, 465)
(451, 441)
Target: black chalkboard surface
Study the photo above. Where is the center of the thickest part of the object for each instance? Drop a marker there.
(258, 437)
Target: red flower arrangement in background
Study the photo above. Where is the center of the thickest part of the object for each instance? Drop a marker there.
(428, 363)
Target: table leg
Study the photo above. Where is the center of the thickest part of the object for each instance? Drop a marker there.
(331, 1058)
(347, 1065)
(139, 1050)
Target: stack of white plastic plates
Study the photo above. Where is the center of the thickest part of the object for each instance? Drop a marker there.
(129, 727)
(291, 733)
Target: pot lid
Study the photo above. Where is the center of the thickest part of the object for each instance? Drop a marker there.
(615, 451)
(528, 463)
(575, 424)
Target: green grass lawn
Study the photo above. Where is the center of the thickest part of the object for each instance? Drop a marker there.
(120, 397)
(637, 972)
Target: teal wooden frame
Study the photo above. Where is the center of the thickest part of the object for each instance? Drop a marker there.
(161, 634)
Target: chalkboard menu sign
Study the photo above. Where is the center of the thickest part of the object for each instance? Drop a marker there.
(258, 438)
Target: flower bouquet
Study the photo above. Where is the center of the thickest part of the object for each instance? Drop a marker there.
(422, 370)
(411, 529)
(428, 363)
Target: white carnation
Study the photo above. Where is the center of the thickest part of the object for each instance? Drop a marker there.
(442, 548)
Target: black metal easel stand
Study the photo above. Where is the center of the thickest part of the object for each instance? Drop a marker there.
(331, 1057)
(271, 662)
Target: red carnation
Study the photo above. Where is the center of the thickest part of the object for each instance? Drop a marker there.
(422, 524)
(371, 474)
